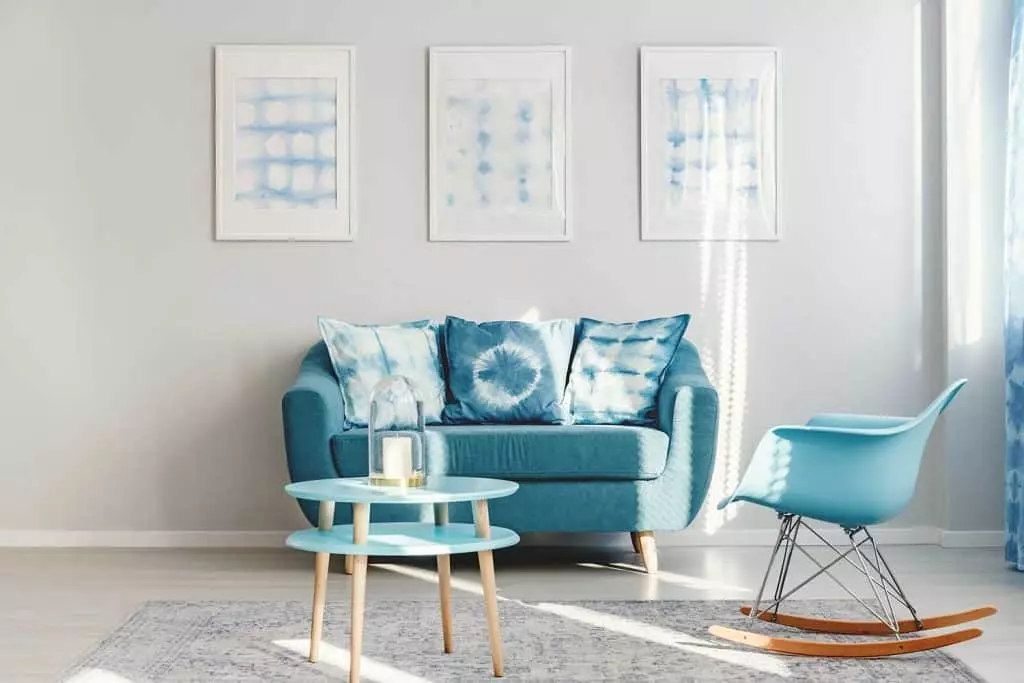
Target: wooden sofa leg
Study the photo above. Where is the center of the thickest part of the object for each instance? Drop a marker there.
(634, 538)
(648, 551)
(349, 561)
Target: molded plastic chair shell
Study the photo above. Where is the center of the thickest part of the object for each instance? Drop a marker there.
(852, 470)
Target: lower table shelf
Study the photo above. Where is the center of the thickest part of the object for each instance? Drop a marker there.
(403, 539)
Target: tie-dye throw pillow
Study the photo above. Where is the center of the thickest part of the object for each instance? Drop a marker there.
(507, 371)
(363, 355)
(618, 367)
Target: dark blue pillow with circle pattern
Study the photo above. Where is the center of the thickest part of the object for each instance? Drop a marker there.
(507, 371)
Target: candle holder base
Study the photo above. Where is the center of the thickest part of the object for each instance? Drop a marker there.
(415, 481)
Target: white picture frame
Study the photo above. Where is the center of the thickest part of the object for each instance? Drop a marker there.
(285, 136)
(709, 143)
(517, 100)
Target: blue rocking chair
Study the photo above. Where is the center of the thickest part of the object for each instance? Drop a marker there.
(854, 471)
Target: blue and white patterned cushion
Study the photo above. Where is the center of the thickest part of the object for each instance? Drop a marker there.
(617, 369)
(363, 355)
(507, 371)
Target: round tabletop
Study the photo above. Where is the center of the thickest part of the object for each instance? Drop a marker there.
(438, 489)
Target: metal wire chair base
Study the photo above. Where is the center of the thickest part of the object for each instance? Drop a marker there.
(885, 589)
(887, 592)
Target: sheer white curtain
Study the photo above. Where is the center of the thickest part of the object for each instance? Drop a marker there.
(1014, 227)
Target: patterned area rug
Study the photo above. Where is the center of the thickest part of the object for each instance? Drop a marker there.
(543, 641)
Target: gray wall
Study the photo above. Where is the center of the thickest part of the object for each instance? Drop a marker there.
(143, 363)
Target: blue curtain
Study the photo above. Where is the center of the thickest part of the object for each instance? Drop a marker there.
(1014, 279)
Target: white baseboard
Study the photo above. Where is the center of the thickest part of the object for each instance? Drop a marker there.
(691, 538)
(738, 538)
(883, 535)
(766, 537)
(141, 539)
(972, 539)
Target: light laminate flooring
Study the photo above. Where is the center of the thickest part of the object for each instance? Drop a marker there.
(55, 604)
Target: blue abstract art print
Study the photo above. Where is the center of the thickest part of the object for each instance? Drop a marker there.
(285, 142)
(710, 141)
(708, 144)
(499, 144)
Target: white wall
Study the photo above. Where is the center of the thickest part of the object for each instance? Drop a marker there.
(143, 363)
(976, 65)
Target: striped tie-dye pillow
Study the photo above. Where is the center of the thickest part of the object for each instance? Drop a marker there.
(363, 355)
(617, 369)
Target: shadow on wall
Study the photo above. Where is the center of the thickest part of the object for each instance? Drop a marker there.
(229, 467)
(195, 446)
(977, 50)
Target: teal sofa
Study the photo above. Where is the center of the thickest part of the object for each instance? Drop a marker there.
(573, 478)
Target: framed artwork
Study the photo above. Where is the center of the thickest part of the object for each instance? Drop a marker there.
(284, 136)
(708, 143)
(499, 144)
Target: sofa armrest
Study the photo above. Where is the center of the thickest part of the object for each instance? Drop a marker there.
(688, 413)
(314, 411)
(685, 370)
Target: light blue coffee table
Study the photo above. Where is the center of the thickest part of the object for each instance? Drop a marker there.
(361, 539)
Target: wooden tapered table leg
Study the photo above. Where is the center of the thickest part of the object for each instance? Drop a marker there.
(415, 539)
(320, 567)
(634, 538)
(360, 529)
(444, 580)
(350, 559)
(481, 519)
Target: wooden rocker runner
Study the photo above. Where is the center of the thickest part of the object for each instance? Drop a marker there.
(854, 471)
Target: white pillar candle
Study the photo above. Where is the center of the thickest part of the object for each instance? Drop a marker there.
(397, 456)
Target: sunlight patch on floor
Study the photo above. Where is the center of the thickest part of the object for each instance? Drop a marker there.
(370, 669)
(662, 636)
(668, 577)
(655, 634)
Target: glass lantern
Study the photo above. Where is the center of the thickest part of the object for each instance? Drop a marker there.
(396, 430)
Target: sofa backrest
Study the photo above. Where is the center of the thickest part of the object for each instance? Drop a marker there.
(686, 360)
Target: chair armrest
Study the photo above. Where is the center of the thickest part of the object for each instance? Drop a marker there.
(685, 370)
(850, 421)
(313, 411)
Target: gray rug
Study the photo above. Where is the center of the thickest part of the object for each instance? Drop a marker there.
(543, 641)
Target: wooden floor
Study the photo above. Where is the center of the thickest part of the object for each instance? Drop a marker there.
(56, 604)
